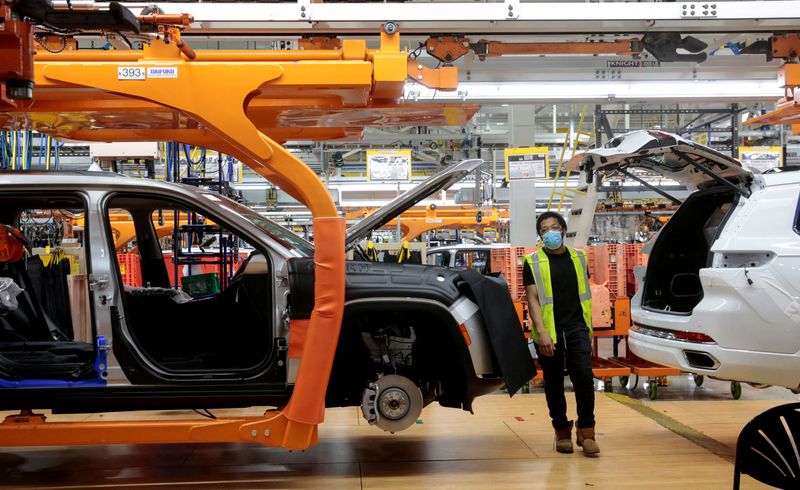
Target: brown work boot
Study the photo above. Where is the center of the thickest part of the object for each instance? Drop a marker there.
(587, 442)
(563, 441)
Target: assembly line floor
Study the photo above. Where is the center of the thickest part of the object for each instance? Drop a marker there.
(506, 444)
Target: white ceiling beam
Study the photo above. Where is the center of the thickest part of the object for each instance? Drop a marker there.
(510, 16)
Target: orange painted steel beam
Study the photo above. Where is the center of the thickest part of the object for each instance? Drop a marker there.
(444, 78)
(628, 47)
(273, 429)
(450, 48)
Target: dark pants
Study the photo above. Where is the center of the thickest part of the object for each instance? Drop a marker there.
(574, 345)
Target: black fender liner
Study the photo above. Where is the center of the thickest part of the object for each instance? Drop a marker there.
(373, 280)
(468, 385)
(505, 332)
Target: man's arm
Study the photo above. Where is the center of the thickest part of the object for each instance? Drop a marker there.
(545, 343)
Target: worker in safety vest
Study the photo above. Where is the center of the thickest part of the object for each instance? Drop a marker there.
(404, 254)
(556, 281)
(372, 253)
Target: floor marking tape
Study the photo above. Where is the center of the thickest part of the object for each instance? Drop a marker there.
(683, 430)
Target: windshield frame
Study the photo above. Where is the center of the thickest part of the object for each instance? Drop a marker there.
(280, 234)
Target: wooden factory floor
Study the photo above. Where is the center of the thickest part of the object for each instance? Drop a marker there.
(506, 444)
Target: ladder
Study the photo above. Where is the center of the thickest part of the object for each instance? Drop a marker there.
(584, 197)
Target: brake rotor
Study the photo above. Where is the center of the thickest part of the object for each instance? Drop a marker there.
(392, 402)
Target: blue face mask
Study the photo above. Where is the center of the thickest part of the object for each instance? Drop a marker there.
(552, 239)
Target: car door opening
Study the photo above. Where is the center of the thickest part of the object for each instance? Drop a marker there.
(196, 297)
(46, 332)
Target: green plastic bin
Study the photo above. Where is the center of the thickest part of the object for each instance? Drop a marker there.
(200, 284)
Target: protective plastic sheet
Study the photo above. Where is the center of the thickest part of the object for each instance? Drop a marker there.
(9, 290)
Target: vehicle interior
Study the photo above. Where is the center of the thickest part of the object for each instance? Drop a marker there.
(45, 321)
(682, 248)
(480, 260)
(197, 299)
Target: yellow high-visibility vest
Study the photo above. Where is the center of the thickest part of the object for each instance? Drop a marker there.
(539, 264)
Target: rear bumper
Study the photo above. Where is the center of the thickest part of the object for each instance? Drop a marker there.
(734, 364)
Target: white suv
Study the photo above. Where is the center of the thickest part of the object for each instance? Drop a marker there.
(721, 292)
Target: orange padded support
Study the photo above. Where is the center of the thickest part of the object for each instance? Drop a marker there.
(297, 338)
(308, 399)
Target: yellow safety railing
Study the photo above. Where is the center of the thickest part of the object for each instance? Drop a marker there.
(565, 190)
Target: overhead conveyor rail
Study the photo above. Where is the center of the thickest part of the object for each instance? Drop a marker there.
(507, 17)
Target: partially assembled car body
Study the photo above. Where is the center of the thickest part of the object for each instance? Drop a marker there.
(121, 334)
(721, 292)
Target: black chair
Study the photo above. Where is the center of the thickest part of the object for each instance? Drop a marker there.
(768, 448)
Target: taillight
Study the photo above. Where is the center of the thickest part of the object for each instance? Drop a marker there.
(694, 337)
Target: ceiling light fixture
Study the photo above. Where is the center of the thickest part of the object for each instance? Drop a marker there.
(603, 91)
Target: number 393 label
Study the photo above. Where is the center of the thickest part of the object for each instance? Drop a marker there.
(131, 73)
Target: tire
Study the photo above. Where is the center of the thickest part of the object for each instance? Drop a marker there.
(736, 390)
(653, 389)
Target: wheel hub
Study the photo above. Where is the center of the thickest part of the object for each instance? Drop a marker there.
(394, 403)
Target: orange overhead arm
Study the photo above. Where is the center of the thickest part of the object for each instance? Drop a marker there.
(416, 226)
(788, 111)
(416, 221)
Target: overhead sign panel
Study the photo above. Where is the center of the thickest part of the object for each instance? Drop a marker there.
(761, 158)
(389, 165)
(527, 163)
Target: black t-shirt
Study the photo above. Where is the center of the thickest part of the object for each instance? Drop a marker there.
(566, 297)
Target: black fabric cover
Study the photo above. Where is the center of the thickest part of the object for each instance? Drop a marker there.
(49, 288)
(505, 332)
(28, 322)
(57, 273)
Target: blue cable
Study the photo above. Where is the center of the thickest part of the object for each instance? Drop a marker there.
(188, 153)
(29, 144)
(18, 160)
(168, 151)
(230, 168)
(2, 150)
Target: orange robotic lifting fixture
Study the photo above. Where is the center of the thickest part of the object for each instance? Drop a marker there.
(243, 103)
(417, 221)
(786, 46)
